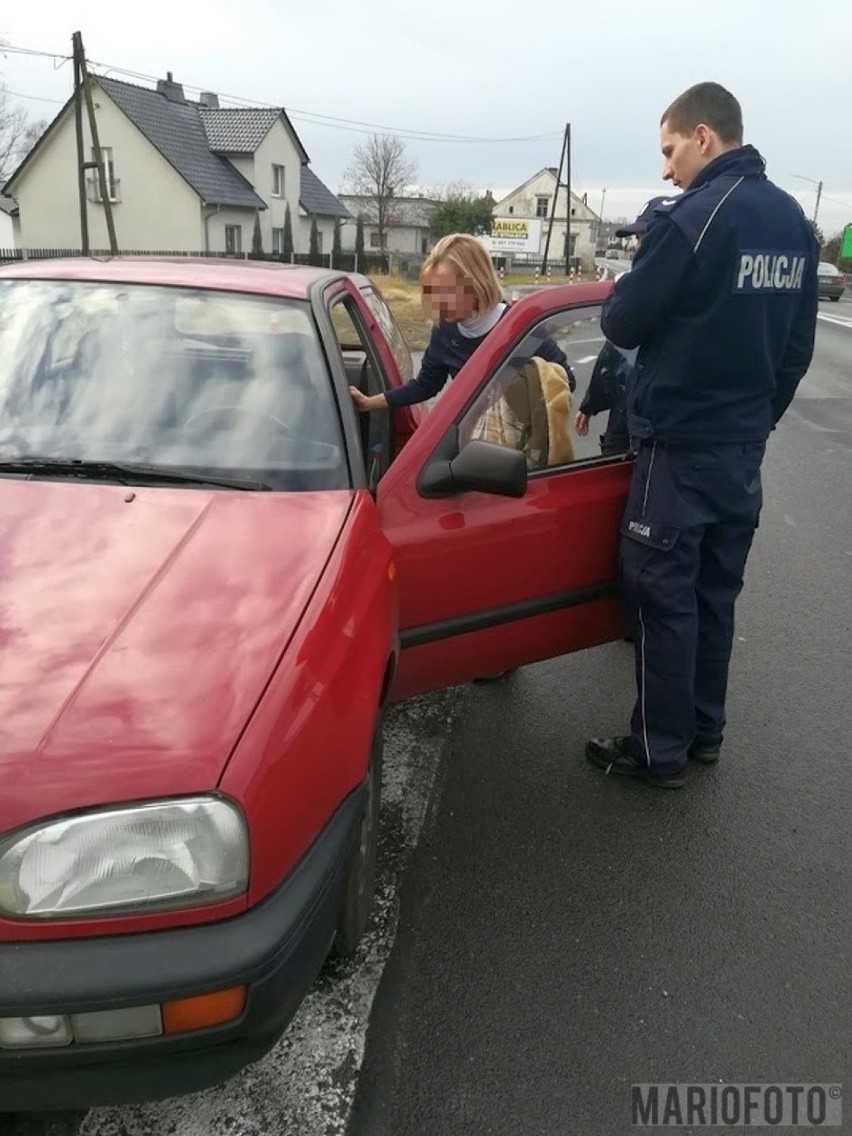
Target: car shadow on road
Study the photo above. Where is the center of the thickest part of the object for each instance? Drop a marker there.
(41, 1123)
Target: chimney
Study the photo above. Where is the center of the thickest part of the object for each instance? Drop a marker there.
(173, 91)
(209, 99)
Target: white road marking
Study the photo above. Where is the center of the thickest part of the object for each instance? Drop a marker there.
(586, 359)
(305, 1086)
(840, 321)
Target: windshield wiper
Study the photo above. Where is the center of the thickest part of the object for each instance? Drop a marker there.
(125, 473)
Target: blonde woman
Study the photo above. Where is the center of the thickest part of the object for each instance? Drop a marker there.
(459, 281)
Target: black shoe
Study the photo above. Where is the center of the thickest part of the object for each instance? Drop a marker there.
(618, 755)
(705, 752)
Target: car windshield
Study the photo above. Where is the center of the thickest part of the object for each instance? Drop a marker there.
(825, 269)
(209, 383)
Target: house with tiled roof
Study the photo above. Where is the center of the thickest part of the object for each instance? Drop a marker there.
(182, 176)
(407, 224)
(532, 202)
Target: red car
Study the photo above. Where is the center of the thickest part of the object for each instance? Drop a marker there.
(213, 576)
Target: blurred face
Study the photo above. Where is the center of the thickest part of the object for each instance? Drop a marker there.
(685, 156)
(451, 297)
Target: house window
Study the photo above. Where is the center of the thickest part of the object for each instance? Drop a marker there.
(277, 181)
(511, 209)
(233, 240)
(278, 240)
(109, 174)
(541, 206)
(375, 241)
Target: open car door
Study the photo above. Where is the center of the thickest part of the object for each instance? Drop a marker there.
(505, 553)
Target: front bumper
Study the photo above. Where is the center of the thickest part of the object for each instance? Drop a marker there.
(275, 949)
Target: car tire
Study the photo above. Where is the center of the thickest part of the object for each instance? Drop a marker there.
(360, 885)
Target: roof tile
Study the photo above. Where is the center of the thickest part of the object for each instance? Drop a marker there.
(176, 130)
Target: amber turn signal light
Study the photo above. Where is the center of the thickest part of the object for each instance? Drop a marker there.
(185, 1014)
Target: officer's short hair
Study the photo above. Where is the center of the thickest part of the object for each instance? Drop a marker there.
(711, 104)
(471, 263)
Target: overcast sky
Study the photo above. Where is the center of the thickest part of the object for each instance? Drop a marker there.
(497, 70)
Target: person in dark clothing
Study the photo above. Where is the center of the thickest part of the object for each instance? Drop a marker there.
(721, 303)
(607, 390)
(608, 385)
(464, 291)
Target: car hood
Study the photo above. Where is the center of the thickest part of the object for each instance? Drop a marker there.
(138, 628)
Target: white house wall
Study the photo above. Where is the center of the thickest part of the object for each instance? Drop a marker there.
(219, 218)
(399, 238)
(522, 203)
(157, 210)
(302, 233)
(277, 149)
(7, 232)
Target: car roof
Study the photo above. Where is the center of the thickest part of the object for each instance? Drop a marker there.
(271, 278)
(827, 266)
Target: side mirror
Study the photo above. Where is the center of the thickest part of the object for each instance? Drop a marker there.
(479, 466)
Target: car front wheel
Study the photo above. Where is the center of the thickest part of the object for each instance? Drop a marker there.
(361, 874)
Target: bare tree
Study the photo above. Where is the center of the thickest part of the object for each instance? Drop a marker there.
(13, 129)
(17, 134)
(32, 132)
(379, 172)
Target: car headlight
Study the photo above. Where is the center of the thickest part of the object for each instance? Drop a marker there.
(132, 858)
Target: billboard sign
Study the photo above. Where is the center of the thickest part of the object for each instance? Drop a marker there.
(515, 234)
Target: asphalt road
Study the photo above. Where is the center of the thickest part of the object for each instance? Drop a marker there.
(564, 935)
(554, 937)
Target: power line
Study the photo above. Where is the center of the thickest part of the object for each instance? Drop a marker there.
(36, 98)
(314, 117)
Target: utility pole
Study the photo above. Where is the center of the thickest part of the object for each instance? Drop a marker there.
(818, 184)
(600, 215)
(81, 157)
(567, 197)
(83, 83)
(565, 141)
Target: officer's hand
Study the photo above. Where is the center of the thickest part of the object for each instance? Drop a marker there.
(581, 424)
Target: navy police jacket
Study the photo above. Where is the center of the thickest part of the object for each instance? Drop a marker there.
(721, 302)
(447, 352)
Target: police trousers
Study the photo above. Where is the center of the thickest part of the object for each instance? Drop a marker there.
(685, 537)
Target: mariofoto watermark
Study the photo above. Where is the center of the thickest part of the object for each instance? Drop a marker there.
(737, 1106)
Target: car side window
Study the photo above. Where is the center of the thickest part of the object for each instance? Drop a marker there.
(399, 348)
(527, 403)
(363, 370)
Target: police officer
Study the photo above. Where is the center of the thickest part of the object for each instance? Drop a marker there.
(721, 302)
